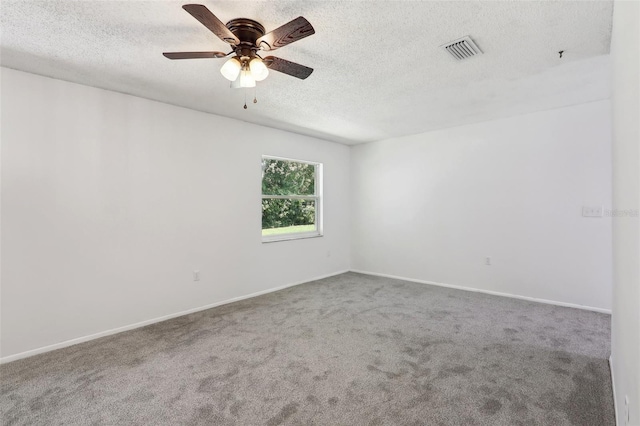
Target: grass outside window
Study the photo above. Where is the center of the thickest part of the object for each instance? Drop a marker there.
(291, 199)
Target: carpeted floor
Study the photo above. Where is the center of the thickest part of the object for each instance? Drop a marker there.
(347, 350)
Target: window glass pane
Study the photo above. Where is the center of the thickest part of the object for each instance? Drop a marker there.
(281, 177)
(286, 216)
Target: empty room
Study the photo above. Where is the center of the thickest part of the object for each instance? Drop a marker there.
(320, 212)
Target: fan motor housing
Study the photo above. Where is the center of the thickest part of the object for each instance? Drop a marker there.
(247, 30)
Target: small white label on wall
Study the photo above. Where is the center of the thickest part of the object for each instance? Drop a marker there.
(592, 211)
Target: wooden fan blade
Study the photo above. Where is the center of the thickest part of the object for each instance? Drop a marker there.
(209, 20)
(287, 67)
(194, 55)
(292, 31)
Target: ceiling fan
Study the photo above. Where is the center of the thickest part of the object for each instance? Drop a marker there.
(247, 37)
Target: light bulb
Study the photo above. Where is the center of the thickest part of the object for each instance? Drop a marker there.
(259, 70)
(231, 69)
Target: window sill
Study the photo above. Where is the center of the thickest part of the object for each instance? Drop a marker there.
(289, 237)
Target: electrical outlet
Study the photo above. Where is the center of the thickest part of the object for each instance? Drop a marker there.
(487, 261)
(196, 275)
(592, 211)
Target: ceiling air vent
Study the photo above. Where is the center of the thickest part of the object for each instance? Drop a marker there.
(462, 48)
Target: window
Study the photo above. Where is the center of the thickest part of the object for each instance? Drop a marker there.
(291, 199)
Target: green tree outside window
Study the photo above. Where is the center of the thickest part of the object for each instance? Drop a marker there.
(290, 200)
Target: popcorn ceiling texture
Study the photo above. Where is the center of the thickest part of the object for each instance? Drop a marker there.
(379, 70)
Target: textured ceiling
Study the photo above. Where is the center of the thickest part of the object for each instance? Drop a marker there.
(379, 71)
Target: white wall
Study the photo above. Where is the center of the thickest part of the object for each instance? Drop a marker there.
(109, 202)
(432, 206)
(625, 327)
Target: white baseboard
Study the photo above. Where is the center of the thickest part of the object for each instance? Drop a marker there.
(89, 337)
(613, 385)
(494, 293)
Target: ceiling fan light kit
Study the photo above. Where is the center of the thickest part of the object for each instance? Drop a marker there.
(247, 37)
(244, 80)
(259, 70)
(231, 69)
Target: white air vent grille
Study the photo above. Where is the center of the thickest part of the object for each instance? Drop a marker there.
(462, 48)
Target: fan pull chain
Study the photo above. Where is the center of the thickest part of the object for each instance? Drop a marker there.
(245, 99)
(255, 98)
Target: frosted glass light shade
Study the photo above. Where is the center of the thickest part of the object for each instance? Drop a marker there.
(259, 70)
(244, 80)
(231, 69)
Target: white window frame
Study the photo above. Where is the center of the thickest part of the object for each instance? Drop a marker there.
(317, 197)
